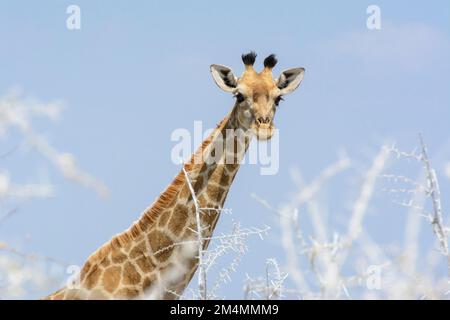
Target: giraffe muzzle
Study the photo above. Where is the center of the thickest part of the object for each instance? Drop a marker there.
(263, 131)
(263, 120)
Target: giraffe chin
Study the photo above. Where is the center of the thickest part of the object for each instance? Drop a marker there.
(263, 133)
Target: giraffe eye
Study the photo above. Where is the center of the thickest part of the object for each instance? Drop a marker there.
(239, 97)
(278, 99)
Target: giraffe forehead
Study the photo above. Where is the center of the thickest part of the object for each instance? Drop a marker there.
(258, 84)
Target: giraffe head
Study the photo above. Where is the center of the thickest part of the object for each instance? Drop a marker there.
(257, 93)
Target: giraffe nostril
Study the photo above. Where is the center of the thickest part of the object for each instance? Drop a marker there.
(263, 120)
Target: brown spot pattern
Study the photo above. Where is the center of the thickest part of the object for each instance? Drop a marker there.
(111, 278)
(139, 250)
(92, 277)
(163, 218)
(159, 241)
(215, 192)
(178, 219)
(130, 274)
(145, 264)
(148, 281)
(118, 256)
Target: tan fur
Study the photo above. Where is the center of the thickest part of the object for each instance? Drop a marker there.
(151, 214)
(100, 274)
(141, 257)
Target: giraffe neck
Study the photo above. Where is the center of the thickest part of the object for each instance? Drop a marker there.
(211, 172)
(154, 256)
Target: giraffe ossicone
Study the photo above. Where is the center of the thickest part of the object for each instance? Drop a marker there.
(156, 257)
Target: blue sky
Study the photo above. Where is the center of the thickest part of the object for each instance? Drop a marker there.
(135, 72)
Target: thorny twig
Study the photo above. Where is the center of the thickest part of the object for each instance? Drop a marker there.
(201, 270)
(431, 190)
(437, 220)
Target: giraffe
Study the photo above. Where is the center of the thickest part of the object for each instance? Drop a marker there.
(148, 254)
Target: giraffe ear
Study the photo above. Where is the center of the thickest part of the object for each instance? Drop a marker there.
(224, 77)
(290, 79)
